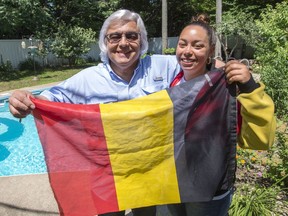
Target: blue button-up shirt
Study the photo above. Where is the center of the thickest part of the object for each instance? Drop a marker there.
(99, 84)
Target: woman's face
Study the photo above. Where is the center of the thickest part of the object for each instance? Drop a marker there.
(125, 53)
(193, 51)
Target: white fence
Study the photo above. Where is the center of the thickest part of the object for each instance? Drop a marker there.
(11, 50)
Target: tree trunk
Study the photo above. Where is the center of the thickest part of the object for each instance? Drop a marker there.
(218, 22)
(164, 26)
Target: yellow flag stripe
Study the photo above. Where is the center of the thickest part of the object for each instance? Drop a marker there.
(145, 129)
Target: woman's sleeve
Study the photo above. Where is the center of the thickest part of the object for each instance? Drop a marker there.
(258, 124)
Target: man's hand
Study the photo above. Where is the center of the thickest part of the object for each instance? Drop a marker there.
(20, 104)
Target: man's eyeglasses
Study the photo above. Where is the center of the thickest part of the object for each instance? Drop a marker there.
(116, 37)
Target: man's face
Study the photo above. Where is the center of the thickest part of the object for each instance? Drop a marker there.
(123, 44)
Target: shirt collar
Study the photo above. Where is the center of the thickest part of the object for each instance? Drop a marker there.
(115, 77)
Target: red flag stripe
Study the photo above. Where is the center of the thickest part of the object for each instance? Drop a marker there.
(90, 136)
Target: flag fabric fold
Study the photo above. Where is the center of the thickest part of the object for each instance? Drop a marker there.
(172, 146)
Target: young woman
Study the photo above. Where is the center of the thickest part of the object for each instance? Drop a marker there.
(256, 122)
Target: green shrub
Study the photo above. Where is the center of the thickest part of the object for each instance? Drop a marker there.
(72, 42)
(272, 56)
(277, 159)
(6, 71)
(170, 51)
(29, 65)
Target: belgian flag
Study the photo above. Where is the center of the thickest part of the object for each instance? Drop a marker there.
(173, 146)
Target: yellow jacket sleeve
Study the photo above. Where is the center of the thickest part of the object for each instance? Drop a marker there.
(258, 120)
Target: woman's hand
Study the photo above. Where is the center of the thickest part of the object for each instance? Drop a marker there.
(237, 72)
(20, 104)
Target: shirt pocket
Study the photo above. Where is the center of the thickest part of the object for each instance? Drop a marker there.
(154, 88)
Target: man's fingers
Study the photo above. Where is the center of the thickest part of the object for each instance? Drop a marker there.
(20, 104)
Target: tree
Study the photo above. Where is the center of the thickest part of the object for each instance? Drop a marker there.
(177, 17)
(149, 10)
(272, 56)
(236, 28)
(23, 18)
(83, 13)
(258, 5)
(237, 25)
(42, 17)
(71, 42)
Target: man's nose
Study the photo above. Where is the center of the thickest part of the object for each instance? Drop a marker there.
(123, 40)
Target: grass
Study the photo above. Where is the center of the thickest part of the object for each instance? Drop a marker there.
(26, 79)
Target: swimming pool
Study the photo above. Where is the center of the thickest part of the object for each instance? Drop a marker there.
(20, 149)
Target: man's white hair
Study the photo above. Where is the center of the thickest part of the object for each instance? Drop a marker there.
(122, 16)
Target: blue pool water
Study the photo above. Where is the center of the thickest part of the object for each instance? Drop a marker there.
(20, 149)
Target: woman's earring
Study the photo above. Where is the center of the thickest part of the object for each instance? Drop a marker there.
(209, 61)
